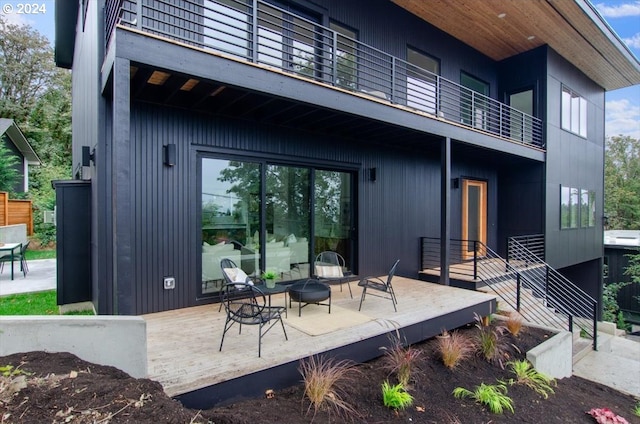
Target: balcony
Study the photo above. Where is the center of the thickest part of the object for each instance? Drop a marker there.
(257, 32)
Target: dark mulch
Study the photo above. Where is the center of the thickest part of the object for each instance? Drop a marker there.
(55, 393)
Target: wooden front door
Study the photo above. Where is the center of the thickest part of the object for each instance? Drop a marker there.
(474, 216)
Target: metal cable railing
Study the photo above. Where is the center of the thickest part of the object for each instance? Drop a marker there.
(527, 285)
(259, 32)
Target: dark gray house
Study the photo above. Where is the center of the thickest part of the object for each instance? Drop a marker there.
(267, 131)
(17, 144)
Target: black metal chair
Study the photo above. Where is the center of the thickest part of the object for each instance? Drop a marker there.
(330, 268)
(245, 304)
(230, 272)
(378, 284)
(18, 257)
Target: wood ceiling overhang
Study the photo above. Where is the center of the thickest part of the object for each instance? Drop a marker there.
(504, 28)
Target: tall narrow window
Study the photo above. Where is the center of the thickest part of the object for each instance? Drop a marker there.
(346, 58)
(574, 112)
(473, 101)
(569, 207)
(422, 81)
(519, 127)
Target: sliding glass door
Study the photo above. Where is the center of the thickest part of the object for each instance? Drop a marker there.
(267, 216)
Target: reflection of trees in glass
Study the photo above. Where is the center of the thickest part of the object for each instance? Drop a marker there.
(288, 199)
(244, 183)
(331, 191)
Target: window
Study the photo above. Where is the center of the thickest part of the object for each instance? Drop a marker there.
(347, 60)
(577, 208)
(519, 127)
(421, 85)
(474, 107)
(574, 112)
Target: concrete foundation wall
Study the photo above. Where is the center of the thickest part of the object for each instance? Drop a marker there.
(16, 233)
(554, 357)
(119, 341)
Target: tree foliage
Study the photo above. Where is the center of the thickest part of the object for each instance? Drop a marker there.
(8, 172)
(622, 182)
(37, 95)
(26, 69)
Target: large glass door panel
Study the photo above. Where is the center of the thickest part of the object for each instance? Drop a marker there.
(422, 71)
(333, 214)
(520, 129)
(474, 216)
(226, 26)
(230, 218)
(474, 107)
(287, 218)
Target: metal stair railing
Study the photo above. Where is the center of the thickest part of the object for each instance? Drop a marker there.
(536, 301)
(560, 293)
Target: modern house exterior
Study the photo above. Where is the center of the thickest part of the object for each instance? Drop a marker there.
(17, 144)
(268, 131)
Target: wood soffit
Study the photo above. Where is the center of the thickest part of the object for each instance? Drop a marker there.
(570, 27)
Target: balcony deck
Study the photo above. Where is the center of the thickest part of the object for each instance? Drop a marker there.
(183, 344)
(262, 34)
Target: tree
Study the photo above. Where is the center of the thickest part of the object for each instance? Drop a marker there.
(26, 69)
(8, 172)
(622, 182)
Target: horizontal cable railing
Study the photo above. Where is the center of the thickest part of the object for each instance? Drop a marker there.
(538, 292)
(259, 32)
(533, 242)
(560, 293)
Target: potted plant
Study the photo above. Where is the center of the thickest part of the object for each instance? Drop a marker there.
(269, 279)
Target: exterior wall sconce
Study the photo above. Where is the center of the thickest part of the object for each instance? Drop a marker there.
(455, 183)
(88, 156)
(169, 154)
(373, 174)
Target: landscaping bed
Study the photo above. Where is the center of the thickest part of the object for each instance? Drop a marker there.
(62, 388)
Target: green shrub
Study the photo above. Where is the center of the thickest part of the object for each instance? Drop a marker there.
(530, 377)
(395, 396)
(493, 396)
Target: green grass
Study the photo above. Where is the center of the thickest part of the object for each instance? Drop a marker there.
(41, 303)
(40, 254)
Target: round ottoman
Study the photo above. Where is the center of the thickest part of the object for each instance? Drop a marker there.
(309, 292)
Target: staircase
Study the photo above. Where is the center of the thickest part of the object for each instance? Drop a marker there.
(524, 283)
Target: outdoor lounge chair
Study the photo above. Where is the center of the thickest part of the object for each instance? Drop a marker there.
(330, 268)
(245, 304)
(377, 284)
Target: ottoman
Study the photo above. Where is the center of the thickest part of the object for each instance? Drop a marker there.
(309, 292)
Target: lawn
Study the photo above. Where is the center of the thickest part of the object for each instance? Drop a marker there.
(40, 254)
(40, 303)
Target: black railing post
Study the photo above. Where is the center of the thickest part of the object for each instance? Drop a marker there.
(393, 80)
(475, 259)
(571, 323)
(254, 32)
(595, 326)
(546, 284)
(518, 292)
(334, 59)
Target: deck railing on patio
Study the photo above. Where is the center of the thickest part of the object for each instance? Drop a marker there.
(258, 32)
(551, 300)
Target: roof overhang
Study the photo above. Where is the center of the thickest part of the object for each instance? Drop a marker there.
(16, 136)
(66, 18)
(504, 28)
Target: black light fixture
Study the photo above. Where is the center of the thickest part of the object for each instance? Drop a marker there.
(455, 183)
(170, 154)
(373, 174)
(88, 156)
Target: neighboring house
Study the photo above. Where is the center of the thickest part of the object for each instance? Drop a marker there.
(618, 245)
(285, 128)
(17, 144)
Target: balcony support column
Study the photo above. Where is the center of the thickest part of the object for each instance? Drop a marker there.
(445, 210)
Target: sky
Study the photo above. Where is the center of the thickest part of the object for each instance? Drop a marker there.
(622, 109)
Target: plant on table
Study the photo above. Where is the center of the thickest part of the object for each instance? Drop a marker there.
(530, 377)
(395, 396)
(324, 382)
(454, 348)
(493, 396)
(269, 278)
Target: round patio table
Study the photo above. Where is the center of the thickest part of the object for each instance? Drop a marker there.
(309, 292)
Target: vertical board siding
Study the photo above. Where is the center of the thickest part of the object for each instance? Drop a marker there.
(402, 205)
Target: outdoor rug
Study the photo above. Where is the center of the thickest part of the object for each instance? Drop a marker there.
(316, 319)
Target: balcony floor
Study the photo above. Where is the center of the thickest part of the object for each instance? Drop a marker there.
(183, 344)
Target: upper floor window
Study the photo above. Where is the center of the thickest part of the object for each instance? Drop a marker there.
(347, 56)
(574, 112)
(421, 85)
(577, 208)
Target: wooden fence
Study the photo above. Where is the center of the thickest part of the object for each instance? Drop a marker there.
(14, 211)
